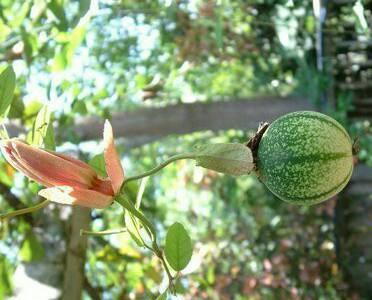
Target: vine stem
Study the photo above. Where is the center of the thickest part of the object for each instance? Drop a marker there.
(25, 210)
(159, 167)
(123, 199)
(170, 277)
(104, 232)
(127, 204)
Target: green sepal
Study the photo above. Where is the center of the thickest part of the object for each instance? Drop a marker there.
(229, 158)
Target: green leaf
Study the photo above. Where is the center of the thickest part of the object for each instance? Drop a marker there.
(97, 163)
(6, 273)
(131, 189)
(84, 6)
(57, 9)
(133, 228)
(7, 86)
(229, 158)
(43, 130)
(163, 296)
(17, 108)
(49, 141)
(141, 192)
(80, 107)
(22, 12)
(32, 249)
(30, 42)
(178, 247)
(131, 222)
(4, 31)
(31, 110)
(60, 58)
(180, 289)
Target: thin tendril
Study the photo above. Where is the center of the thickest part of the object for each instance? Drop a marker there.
(24, 211)
(104, 232)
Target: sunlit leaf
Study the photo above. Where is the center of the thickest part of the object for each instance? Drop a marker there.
(80, 107)
(4, 31)
(69, 43)
(21, 14)
(141, 191)
(133, 228)
(97, 163)
(32, 109)
(49, 141)
(60, 59)
(42, 131)
(7, 86)
(30, 42)
(178, 247)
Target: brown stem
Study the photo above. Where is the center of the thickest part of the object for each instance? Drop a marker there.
(254, 142)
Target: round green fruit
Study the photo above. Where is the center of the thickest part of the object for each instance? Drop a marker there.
(305, 157)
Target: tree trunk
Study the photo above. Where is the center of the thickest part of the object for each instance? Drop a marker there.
(354, 229)
(73, 283)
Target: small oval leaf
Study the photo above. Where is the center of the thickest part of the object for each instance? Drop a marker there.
(178, 247)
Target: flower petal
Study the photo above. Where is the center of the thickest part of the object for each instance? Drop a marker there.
(13, 161)
(71, 159)
(113, 165)
(49, 167)
(76, 196)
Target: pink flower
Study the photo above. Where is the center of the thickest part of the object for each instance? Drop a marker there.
(68, 180)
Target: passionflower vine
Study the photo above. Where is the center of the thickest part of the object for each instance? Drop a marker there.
(68, 180)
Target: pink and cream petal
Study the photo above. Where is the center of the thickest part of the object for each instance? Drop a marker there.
(51, 168)
(112, 160)
(13, 161)
(71, 159)
(76, 196)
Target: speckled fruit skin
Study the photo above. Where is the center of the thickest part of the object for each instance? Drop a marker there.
(305, 157)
